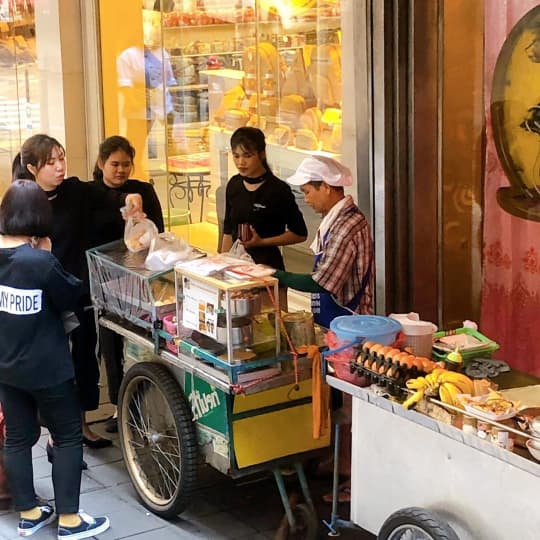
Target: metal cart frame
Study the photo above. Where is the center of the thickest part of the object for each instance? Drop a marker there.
(432, 476)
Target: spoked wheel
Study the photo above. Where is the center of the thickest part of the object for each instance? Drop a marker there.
(306, 525)
(416, 524)
(158, 438)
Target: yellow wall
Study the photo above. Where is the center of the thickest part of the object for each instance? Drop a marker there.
(121, 27)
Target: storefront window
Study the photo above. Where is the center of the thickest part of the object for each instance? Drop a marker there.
(19, 81)
(182, 76)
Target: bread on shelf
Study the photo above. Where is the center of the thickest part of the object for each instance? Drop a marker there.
(306, 140)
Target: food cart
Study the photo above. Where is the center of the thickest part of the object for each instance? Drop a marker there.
(415, 477)
(218, 389)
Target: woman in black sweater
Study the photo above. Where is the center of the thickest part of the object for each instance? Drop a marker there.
(74, 204)
(113, 168)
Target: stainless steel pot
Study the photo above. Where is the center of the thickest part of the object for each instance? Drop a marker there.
(241, 331)
(244, 306)
(300, 327)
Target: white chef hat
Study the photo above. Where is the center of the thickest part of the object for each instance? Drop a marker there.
(321, 169)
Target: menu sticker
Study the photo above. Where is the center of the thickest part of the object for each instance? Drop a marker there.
(200, 306)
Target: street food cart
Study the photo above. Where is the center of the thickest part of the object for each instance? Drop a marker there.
(217, 388)
(415, 477)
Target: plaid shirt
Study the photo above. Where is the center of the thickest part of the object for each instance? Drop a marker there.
(346, 256)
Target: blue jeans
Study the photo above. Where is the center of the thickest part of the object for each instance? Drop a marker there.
(60, 411)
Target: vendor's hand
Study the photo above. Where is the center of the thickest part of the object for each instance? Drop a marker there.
(134, 207)
(254, 241)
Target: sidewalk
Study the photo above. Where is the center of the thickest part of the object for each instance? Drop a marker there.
(221, 509)
(247, 509)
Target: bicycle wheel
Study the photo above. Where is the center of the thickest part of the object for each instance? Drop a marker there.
(158, 438)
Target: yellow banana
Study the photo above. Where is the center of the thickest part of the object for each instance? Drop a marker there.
(448, 393)
(416, 384)
(464, 384)
(415, 398)
(432, 383)
(437, 372)
(445, 394)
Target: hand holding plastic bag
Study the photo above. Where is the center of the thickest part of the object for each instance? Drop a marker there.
(238, 251)
(165, 251)
(138, 233)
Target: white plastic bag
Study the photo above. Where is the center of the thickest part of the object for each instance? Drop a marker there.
(238, 251)
(166, 250)
(138, 233)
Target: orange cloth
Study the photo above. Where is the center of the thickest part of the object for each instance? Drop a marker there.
(320, 391)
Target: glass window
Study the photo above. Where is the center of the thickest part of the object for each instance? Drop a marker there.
(181, 76)
(19, 81)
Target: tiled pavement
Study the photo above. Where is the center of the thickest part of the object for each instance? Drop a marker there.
(221, 509)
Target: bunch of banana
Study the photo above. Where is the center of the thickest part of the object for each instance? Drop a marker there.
(446, 384)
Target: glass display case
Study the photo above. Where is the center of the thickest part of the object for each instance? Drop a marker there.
(226, 64)
(231, 316)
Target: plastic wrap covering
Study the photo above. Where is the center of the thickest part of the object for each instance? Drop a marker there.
(120, 284)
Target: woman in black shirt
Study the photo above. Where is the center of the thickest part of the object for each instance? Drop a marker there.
(113, 168)
(260, 201)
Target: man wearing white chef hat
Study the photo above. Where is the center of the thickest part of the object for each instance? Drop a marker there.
(342, 278)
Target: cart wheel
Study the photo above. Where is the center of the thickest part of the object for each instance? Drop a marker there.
(158, 438)
(306, 525)
(416, 524)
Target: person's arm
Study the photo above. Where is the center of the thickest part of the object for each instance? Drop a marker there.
(285, 239)
(63, 288)
(152, 207)
(299, 282)
(226, 237)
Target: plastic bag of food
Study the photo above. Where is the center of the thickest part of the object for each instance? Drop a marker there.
(138, 233)
(166, 250)
(238, 251)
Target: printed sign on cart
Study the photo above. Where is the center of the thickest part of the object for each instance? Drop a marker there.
(200, 306)
(208, 404)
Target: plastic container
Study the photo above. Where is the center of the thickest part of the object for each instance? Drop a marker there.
(354, 329)
(418, 335)
(486, 347)
(359, 328)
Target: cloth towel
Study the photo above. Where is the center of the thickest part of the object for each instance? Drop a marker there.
(320, 392)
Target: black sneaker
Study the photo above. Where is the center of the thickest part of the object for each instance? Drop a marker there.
(88, 527)
(27, 527)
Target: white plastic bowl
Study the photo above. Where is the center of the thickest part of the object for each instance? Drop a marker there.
(533, 446)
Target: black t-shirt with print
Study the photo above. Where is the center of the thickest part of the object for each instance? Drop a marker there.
(34, 291)
(271, 209)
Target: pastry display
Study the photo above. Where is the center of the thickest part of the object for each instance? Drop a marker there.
(235, 118)
(283, 80)
(306, 139)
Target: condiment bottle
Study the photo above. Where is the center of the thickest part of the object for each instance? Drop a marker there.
(454, 360)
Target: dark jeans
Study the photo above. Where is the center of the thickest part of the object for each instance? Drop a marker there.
(112, 352)
(83, 351)
(59, 408)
